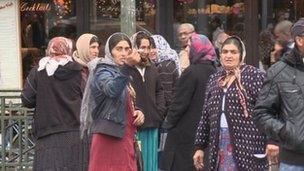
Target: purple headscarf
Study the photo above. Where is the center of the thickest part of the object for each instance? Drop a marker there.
(201, 49)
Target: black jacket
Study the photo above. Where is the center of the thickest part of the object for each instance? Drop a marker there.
(184, 115)
(149, 95)
(57, 99)
(279, 111)
(168, 74)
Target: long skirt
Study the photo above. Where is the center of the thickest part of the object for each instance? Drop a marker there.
(62, 152)
(226, 161)
(149, 146)
(109, 153)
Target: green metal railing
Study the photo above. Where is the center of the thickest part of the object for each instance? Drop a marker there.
(17, 142)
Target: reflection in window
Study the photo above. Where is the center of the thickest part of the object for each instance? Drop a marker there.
(105, 18)
(41, 20)
(211, 17)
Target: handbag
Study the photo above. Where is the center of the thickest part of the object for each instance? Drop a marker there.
(138, 155)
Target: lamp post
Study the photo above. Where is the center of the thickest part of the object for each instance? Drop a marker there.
(127, 17)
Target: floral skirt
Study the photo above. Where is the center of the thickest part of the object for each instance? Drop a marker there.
(226, 161)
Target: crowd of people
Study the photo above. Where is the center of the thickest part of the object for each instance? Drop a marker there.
(145, 107)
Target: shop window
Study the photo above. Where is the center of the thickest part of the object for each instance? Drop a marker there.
(209, 17)
(105, 18)
(41, 20)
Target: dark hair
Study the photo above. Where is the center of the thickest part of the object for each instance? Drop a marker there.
(152, 43)
(94, 39)
(235, 41)
(141, 35)
(282, 43)
(116, 38)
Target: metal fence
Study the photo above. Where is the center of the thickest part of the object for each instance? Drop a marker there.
(16, 140)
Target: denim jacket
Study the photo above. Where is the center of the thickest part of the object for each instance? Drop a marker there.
(109, 89)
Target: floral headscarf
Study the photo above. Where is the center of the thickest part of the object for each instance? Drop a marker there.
(164, 51)
(59, 52)
(201, 49)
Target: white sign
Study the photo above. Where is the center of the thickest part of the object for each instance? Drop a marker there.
(10, 57)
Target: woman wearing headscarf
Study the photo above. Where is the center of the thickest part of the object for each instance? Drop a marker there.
(226, 127)
(114, 117)
(184, 112)
(166, 61)
(54, 89)
(86, 54)
(150, 99)
(87, 49)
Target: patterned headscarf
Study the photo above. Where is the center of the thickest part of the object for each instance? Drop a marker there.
(201, 49)
(164, 51)
(59, 47)
(81, 55)
(236, 74)
(59, 52)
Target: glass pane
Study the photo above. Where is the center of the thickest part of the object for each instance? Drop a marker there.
(41, 20)
(105, 18)
(271, 13)
(211, 17)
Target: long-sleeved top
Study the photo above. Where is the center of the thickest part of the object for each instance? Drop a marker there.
(246, 138)
(57, 98)
(168, 74)
(149, 95)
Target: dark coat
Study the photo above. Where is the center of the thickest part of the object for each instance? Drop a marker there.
(149, 95)
(246, 138)
(168, 74)
(183, 117)
(57, 99)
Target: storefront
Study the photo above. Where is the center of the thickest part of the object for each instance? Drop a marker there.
(40, 20)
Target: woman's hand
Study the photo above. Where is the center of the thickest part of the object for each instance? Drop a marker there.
(133, 58)
(198, 159)
(139, 118)
(272, 152)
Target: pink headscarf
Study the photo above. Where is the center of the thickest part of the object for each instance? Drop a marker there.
(59, 47)
(58, 53)
(201, 49)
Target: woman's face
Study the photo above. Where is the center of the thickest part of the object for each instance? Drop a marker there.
(230, 56)
(120, 52)
(144, 48)
(153, 54)
(93, 50)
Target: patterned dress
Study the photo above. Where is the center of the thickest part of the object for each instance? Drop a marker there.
(245, 137)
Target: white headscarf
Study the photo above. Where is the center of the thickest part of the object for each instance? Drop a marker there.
(58, 53)
(164, 51)
(81, 55)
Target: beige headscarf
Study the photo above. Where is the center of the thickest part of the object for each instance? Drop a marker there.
(81, 54)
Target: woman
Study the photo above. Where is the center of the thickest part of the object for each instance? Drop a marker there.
(150, 99)
(184, 112)
(226, 126)
(166, 61)
(86, 54)
(87, 48)
(279, 48)
(114, 117)
(54, 89)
